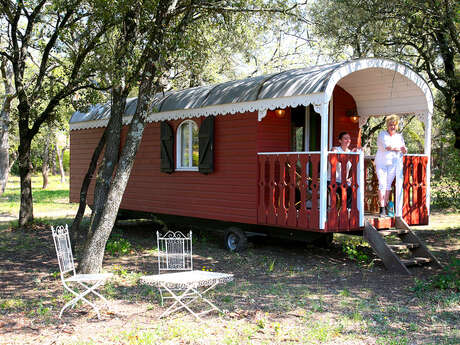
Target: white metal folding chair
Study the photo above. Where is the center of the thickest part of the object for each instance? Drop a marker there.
(182, 283)
(69, 275)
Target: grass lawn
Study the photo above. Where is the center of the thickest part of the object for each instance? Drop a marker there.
(283, 293)
(50, 203)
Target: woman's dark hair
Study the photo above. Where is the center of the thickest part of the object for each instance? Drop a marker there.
(342, 134)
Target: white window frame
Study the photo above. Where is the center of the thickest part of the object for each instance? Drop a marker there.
(179, 166)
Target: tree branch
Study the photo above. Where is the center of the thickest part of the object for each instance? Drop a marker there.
(51, 43)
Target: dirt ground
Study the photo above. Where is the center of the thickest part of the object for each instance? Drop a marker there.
(283, 292)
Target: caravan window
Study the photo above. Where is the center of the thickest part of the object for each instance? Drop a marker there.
(187, 146)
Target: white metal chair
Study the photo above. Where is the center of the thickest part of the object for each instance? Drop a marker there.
(182, 283)
(69, 275)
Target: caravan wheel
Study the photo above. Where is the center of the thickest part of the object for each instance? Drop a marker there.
(235, 240)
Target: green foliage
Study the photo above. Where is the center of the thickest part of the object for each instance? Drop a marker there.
(272, 265)
(355, 251)
(448, 279)
(401, 30)
(445, 193)
(120, 270)
(117, 245)
(11, 304)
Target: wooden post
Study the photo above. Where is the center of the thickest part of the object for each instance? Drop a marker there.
(323, 166)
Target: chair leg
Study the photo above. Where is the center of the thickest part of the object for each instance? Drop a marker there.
(75, 300)
(82, 297)
(95, 292)
(213, 306)
(179, 299)
(161, 295)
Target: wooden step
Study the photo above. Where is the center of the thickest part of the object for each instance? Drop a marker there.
(381, 222)
(416, 261)
(403, 246)
(393, 232)
(409, 262)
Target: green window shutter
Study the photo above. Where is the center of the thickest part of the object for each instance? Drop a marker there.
(206, 146)
(167, 148)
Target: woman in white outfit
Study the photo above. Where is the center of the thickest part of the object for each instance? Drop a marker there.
(344, 141)
(390, 146)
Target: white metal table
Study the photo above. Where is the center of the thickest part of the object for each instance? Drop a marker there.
(189, 284)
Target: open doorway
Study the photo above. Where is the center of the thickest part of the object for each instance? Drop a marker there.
(305, 129)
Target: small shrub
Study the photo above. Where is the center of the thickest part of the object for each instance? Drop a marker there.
(118, 245)
(271, 266)
(445, 193)
(11, 304)
(448, 279)
(355, 252)
(345, 293)
(120, 270)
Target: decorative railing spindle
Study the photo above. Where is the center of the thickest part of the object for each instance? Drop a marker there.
(293, 184)
(415, 211)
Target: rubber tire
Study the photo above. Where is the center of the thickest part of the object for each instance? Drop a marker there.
(235, 240)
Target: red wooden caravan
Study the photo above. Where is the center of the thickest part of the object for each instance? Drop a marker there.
(254, 154)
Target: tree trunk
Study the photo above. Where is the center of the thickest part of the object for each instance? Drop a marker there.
(111, 155)
(53, 159)
(60, 155)
(14, 156)
(455, 120)
(93, 253)
(75, 228)
(26, 209)
(6, 73)
(4, 144)
(45, 166)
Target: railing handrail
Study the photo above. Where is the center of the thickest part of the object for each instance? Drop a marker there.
(345, 153)
(291, 153)
(306, 152)
(406, 154)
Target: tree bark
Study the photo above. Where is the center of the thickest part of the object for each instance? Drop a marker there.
(455, 119)
(6, 73)
(53, 159)
(14, 156)
(26, 210)
(4, 144)
(60, 154)
(45, 165)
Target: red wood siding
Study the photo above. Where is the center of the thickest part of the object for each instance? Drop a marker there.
(82, 145)
(343, 101)
(274, 134)
(228, 194)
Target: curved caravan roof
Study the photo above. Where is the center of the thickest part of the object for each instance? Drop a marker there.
(379, 87)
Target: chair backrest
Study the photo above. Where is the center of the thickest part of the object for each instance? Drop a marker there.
(63, 249)
(174, 251)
